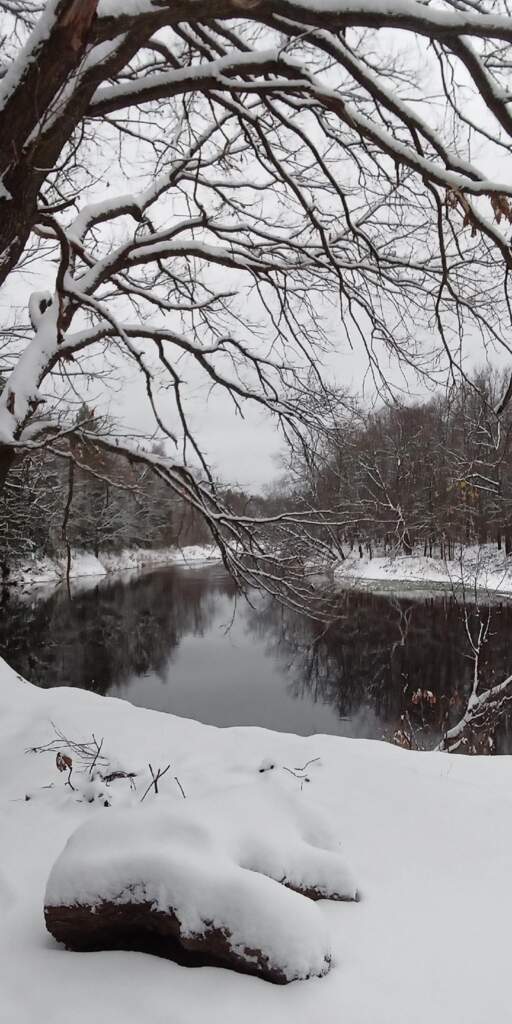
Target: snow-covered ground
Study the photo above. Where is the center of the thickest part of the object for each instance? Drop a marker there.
(427, 836)
(84, 563)
(489, 568)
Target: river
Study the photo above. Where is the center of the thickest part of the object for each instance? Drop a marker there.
(181, 640)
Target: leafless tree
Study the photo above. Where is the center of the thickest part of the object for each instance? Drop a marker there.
(485, 706)
(228, 185)
(427, 476)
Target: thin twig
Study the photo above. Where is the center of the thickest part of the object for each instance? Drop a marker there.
(154, 780)
(303, 769)
(176, 779)
(98, 752)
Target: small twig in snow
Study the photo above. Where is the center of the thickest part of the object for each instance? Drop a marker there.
(297, 774)
(178, 783)
(97, 754)
(155, 777)
(303, 769)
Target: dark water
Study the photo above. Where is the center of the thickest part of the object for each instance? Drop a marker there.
(180, 640)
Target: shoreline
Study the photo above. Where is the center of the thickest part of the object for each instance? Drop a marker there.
(38, 571)
(476, 570)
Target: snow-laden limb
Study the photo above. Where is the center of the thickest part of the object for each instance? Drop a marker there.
(295, 184)
(412, 15)
(482, 710)
(18, 74)
(214, 870)
(289, 76)
(129, 33)
(20, 397)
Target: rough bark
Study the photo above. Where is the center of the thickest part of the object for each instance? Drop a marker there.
(7, 456)
(32, 141)
(48, 64)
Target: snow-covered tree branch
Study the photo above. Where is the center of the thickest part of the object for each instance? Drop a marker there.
(224, 189)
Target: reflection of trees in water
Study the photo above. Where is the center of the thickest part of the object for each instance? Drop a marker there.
(110, 632)
(376, 657)
(381, 651)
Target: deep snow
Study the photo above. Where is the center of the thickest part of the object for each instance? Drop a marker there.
(428, 837)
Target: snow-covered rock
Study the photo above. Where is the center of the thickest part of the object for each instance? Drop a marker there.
(208, 879)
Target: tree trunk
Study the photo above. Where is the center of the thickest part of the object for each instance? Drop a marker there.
(7, 456)
(24, 164)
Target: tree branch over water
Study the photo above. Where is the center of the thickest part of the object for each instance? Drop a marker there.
(218, 192)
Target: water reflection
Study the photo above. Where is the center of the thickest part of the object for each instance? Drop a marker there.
(111, 629)
(382, 651)
(179, 640)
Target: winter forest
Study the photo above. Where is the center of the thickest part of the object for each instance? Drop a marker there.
(255, 510)
(434, 474)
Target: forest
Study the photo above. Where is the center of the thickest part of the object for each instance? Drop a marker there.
(428, 474)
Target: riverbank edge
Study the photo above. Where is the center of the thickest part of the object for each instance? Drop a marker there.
(84, 563)
(474, 569)
(481, 569)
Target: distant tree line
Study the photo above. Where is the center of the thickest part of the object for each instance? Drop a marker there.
(91, 501)
(435, 473)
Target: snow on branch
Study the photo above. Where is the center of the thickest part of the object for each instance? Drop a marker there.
(217, 193)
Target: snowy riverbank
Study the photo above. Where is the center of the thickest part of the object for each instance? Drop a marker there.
(427, 836)
(484, 567)
(84, 563)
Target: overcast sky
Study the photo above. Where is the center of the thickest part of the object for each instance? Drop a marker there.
(246, 451)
